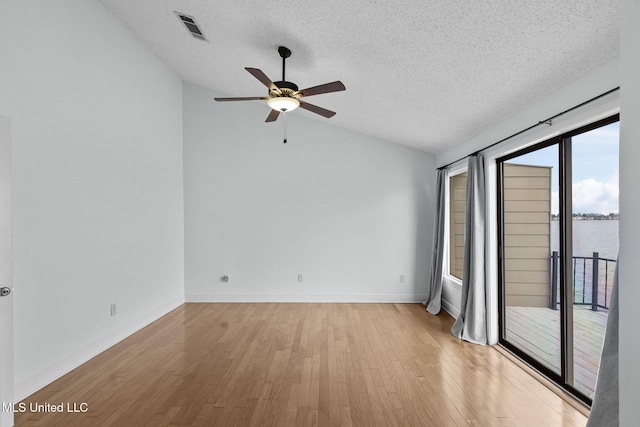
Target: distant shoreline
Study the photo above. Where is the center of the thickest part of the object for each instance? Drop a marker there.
(590, 217)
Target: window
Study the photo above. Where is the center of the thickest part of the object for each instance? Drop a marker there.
(457, 208)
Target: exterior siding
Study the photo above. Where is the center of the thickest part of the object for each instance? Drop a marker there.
(457, 202)
(527, 229)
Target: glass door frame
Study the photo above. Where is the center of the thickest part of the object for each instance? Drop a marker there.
(565, 285)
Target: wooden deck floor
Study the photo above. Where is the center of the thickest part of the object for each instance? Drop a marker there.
(537, 331)
(301, 364)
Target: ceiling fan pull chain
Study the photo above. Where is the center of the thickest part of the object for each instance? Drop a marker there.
(284, 116)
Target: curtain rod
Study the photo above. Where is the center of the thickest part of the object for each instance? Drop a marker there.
(542, 122)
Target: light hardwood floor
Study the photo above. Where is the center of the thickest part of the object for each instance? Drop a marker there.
(301, 364)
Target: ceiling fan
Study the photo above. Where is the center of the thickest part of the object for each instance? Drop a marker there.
(285, 96)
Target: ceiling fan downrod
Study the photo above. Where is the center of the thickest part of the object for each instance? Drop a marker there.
(284, 54)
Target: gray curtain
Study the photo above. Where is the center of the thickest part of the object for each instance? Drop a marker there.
(471, 324)
(434, 298)
(605, 407)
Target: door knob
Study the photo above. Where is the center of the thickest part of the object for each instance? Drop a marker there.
(4, 291)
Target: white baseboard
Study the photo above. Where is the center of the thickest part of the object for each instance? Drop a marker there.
(370, 298)
(451, 309)
(54, 371)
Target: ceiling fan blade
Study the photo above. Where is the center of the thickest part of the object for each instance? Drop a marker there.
(336, 86)
(258, 74)
(250, 98)
(273, 115)
(318, 110)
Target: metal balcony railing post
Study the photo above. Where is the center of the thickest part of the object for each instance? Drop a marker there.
(594, 282)
(553, 298)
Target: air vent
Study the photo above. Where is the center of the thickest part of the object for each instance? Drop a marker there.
(192, 25)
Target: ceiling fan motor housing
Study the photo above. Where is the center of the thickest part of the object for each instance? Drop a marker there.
(284, 89)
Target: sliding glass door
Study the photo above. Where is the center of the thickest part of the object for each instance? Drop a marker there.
(530, 184)
(558, 226)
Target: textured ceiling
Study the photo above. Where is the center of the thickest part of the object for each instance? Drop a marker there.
(426, 74)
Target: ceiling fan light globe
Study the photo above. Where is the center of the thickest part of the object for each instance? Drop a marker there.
(283, 103)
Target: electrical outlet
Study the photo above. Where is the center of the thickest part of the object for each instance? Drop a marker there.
(402, 278)
(114, 309)
(300, 279)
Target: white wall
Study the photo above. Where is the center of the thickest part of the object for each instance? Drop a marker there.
(349, 212)
(6, 272)
(629, 291)
(98, 200)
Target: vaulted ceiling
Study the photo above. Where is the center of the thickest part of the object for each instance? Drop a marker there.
(425, 74)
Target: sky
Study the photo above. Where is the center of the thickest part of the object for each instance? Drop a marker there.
(595, 163)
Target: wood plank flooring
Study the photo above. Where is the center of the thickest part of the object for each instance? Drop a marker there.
(297, 365)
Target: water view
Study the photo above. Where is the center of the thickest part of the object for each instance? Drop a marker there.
(590, 237)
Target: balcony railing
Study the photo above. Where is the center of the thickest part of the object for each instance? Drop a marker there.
(592, 281)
